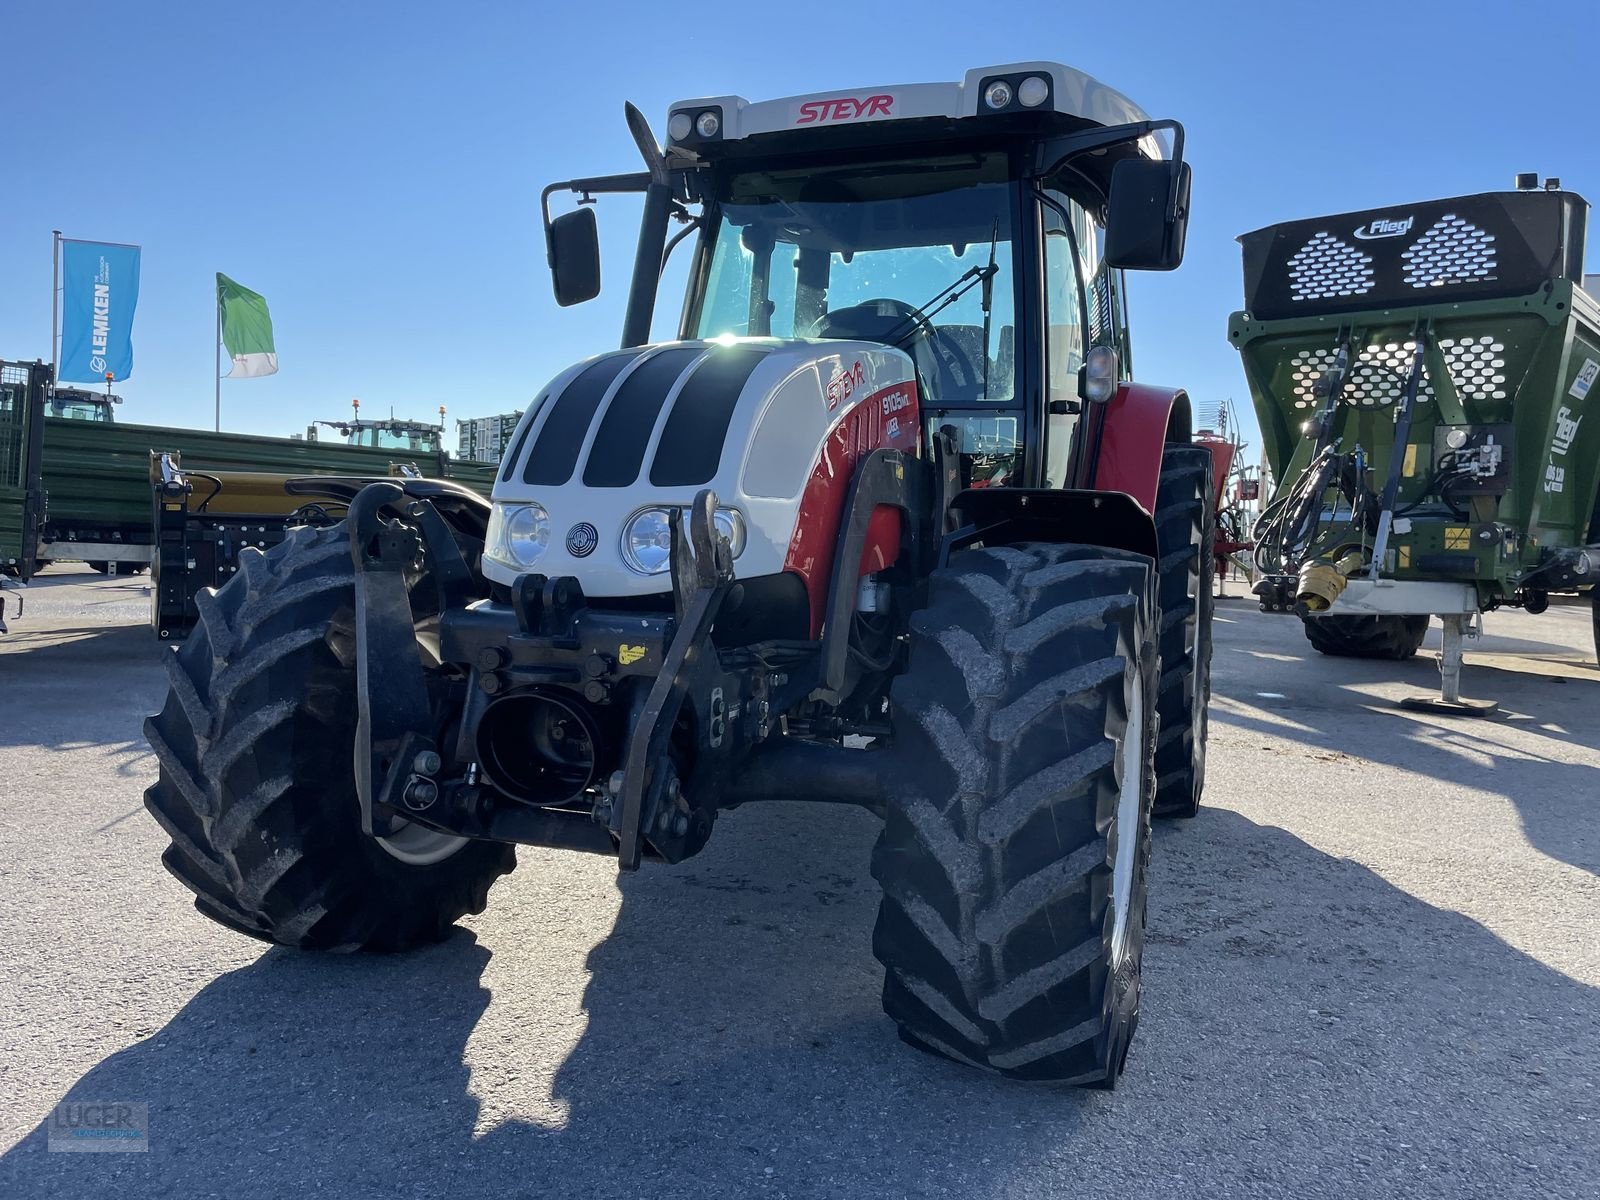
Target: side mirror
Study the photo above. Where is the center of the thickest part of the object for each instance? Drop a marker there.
(573, 244)
(1139, 235)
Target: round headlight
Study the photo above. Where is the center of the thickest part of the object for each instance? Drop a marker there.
(707, 124)
(1033, 92)
(997, 94)
(680, 126)
(647, 542)
(731, 526)
(526, 533)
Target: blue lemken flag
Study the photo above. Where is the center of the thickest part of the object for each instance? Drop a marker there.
(100, 287)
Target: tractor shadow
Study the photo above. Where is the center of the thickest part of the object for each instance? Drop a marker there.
(1303, 1019)
(1540, 750)
(46, 676)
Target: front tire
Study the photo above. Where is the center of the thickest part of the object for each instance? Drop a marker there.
(1385, 637)
(257, 781)
(1014, 853)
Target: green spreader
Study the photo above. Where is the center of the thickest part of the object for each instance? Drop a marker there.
(1422, 376)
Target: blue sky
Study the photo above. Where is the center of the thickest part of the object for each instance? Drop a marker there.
(374, 170)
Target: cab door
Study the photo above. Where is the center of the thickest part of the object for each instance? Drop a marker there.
(1082, 309)
(1065, 334)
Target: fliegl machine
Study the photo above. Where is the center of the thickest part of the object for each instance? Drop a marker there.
(1423, 375)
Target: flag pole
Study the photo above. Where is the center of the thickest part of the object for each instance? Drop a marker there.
(217, 369)
(55, 297)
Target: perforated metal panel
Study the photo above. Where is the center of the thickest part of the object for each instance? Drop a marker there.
(1477, 367)
(1305, 368)
(1379, 377)
(13, 423)
(1326, 268)
(1454, 250)
(1493, 245)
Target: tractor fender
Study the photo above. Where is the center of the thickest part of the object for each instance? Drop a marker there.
(1140, 421)
(1007, 516)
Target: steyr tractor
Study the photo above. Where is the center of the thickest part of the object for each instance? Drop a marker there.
(888, 524)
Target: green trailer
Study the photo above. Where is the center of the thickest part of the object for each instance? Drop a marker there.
(79, 485)
(1422, 376)
(23, 387)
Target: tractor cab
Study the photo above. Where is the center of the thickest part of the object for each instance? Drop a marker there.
(78, 404)
(409, 437)
(981, 228)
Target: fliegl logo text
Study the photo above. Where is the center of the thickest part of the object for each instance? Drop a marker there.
(845, 108)
(843, 384)
(1385, 227)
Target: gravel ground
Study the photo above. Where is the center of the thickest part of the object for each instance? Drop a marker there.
(1372, 971)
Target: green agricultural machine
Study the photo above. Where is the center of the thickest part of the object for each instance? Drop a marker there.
(1422, 375)
(75, 483)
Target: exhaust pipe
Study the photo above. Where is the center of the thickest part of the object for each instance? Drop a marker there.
(538, 747)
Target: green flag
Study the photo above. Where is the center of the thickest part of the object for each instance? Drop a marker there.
(246, 330)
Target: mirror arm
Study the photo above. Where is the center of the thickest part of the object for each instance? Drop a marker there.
(1054, 154)
(597, 185)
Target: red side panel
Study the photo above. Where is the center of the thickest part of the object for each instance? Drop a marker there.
(1134, 435)
(1222, 450)
(886, 418)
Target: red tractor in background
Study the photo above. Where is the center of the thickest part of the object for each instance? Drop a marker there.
(1236, 489)
(886, 523)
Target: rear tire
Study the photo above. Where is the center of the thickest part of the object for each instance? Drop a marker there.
(1186, 536)
(257, 782)
(1393, 638)
(1014, 851)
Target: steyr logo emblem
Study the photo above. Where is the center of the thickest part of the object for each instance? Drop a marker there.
(845, 108)
(843, 384)
(1384, 227)
(582, 538)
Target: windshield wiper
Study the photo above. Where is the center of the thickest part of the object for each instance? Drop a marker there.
(987, 302)
(964, 283)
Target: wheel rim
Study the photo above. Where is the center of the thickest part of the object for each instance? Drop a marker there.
(419, 846)
(1130, 801)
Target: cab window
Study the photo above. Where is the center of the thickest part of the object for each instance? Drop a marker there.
(1073, 321)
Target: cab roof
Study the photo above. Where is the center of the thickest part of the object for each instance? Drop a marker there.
(1031, 89)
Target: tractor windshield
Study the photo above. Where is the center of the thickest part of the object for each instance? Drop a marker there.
(79, 408)
(868, 252)
(397, 437)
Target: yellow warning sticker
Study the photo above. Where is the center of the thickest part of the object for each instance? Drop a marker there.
(627, 655)
(1405, 556)
(1457, 537)
(1410, 467)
